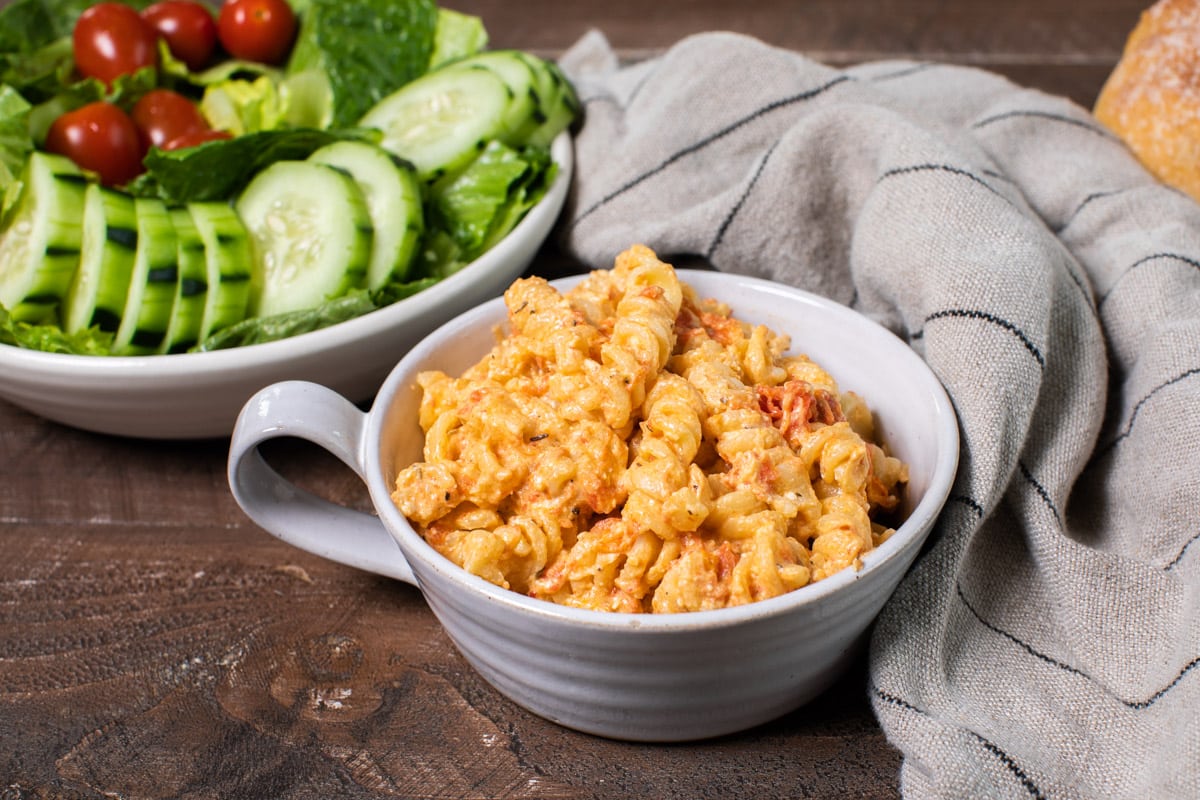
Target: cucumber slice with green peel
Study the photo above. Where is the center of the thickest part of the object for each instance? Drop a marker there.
(39, 248)
(560, 104)
(227, 265)
(109, 242)
(525, 111)
(393, 196)
(442, 120)
(152, 285)
(191, 290)
(310, 233)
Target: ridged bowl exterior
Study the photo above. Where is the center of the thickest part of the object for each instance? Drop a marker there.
(199, 395)
(682, 676)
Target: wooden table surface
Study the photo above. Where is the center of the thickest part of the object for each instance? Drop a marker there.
(154, 643)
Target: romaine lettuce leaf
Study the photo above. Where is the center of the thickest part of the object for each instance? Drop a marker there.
(40, 74)
(243, 106)
(28, 25)
(257, 330)
(15, 142)
(457, 36)
(35, 44)
(80, 93)
(357, 302)
(52, 339)
(481, 204)
(363, 51)
(219, 170)
(224, 70)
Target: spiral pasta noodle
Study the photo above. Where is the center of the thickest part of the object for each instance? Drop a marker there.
(630, 447)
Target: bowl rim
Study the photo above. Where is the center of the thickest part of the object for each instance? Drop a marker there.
(331, 337)
(908, 536)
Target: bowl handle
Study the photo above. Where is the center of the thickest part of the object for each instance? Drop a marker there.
(325, 418)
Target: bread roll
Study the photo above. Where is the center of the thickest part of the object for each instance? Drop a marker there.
(1152, 98)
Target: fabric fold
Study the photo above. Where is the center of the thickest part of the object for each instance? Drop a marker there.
(1047, 642)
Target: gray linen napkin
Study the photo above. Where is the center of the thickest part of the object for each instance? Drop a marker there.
(1047, 643)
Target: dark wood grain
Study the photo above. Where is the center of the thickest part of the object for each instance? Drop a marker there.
(154, 643)
(1064, 48)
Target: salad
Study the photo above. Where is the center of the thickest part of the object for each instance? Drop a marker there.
(178, 178)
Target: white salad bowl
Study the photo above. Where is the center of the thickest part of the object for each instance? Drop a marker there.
(198, 395)
(641, 677)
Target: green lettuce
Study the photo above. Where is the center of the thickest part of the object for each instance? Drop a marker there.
(243, 106)
(40, 74)
(29, 25)
(124, 90)
(361, 51)
(177, 72)
(52, 339)
(347, 57)
(257, 330)
(219, 170)
(457, 36)
(35, 44)
(480, 205)
(15, 143)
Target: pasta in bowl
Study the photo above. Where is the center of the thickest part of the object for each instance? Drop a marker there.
(631, 446)
(760, 637)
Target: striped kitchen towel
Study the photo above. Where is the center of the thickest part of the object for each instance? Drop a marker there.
(1047, 643)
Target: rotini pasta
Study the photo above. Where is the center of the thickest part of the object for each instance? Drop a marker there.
(630, 447)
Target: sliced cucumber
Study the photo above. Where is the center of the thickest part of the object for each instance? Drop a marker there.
(227, 265)
(191, 290)
(310, 234)
(442, 120)
(525, 110)
(108, 245)
(152, 285)
(393, 195)
(560, 104)
(39, 249)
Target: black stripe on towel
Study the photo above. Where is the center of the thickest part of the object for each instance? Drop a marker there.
(1028, 648)
(1091, 198)
(1136, 705)
(1011, 765)
(904, 72)
(1049, 115)
(1146, 260)
(1179, 556)
(914, 168)
(1041, 490)
(1194, 371)
(716, 136)
(969, 502)
(1139, 705)
(1008, 761)
(741, 201)
(1000, 176)
(966, 313)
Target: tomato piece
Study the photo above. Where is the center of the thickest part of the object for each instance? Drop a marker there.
(188, 27)
(196, 138)
(110, 40)
(162, 115)
(257, 30)
(99, 137)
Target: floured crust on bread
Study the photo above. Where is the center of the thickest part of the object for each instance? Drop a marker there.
(1152, 98)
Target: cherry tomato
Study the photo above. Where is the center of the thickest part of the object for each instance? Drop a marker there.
(162, 115)
(110, 40)
(257, 30)
(99, 137)
(188, 27)
(196, 138)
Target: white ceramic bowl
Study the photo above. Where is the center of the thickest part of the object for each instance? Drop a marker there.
(637, 677)
(198, 395)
